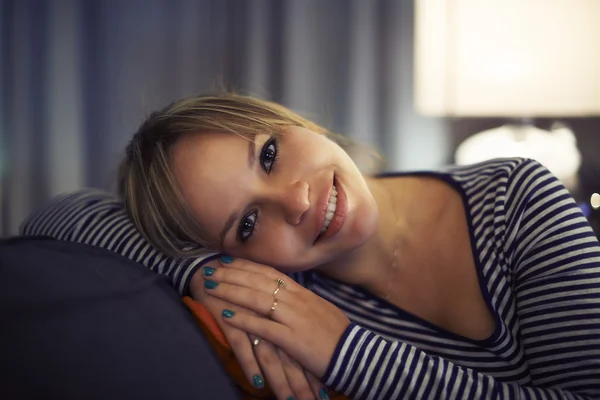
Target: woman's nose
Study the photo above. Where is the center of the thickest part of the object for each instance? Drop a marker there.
(295, 202)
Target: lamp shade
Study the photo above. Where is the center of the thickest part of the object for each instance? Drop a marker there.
(507, 58)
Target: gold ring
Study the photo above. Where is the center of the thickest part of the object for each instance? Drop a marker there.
(280, 282)
(273, 307)
(276, 291)
(256, 341)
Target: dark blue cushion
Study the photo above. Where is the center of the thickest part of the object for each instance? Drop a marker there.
(81, 322)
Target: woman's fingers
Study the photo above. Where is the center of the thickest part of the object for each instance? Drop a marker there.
(241, 278)
(238, 341)
(242, 348)
(267, 329)
(261, 362)
(247, 273)
(321, 391)
(297, 378)
(304, 325)
(273, 369)
(264, 304)
(307, 327)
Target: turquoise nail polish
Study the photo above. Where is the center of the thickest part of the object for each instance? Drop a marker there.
(324, 394)
(290, 398)
(208, 271)
(228, 314)
(226, 259)
(210, 284)
(258, 381)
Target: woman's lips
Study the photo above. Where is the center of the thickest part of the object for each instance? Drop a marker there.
(339, 216)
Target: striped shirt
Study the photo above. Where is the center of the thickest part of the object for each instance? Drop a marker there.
(538, 264)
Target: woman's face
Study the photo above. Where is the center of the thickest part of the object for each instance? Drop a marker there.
(273, 200)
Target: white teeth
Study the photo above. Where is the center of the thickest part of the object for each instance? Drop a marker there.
(330, 209)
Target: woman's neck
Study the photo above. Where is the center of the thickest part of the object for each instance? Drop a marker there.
(370, 264)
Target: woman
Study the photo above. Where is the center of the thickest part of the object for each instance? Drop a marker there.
(481, 281)
(476, 282)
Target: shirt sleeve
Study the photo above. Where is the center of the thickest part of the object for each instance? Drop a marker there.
(556, 261)
(99, 219)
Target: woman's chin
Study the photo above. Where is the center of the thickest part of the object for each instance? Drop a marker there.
(363, 227)
(353, 240)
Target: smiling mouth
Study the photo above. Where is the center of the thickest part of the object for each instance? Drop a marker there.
(331, 207)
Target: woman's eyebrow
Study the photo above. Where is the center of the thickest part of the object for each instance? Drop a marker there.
(232, 218)
(251, 153)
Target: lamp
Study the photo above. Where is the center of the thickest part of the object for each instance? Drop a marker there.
(516, 59)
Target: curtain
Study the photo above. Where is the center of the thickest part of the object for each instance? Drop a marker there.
(78, 76)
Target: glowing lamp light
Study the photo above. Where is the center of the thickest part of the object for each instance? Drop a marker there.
(595, 201)
(512, 59)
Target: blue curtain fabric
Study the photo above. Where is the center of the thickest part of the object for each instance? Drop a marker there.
(78, 76)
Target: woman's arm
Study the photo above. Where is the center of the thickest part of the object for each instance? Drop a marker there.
(367, 366)
(99, 219)
(556, 267)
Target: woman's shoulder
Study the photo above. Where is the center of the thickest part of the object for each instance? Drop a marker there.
(477, 177)
(490, 169)
(465, 172)
(510, 178)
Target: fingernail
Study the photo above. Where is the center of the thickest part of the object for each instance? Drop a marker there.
(324, 394)
(228, 314)
(208, 271)
(210, 284)
(226, 259)
(258, 381)
(290, 398)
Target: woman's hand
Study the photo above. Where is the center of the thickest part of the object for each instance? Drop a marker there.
(286, 377)
(302, 324)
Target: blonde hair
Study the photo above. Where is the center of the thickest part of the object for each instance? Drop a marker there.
(146, 182)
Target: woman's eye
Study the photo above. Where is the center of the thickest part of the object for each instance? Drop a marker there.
(268, 154)
(246, 227)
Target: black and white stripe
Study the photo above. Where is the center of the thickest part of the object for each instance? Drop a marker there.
(98, 218)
